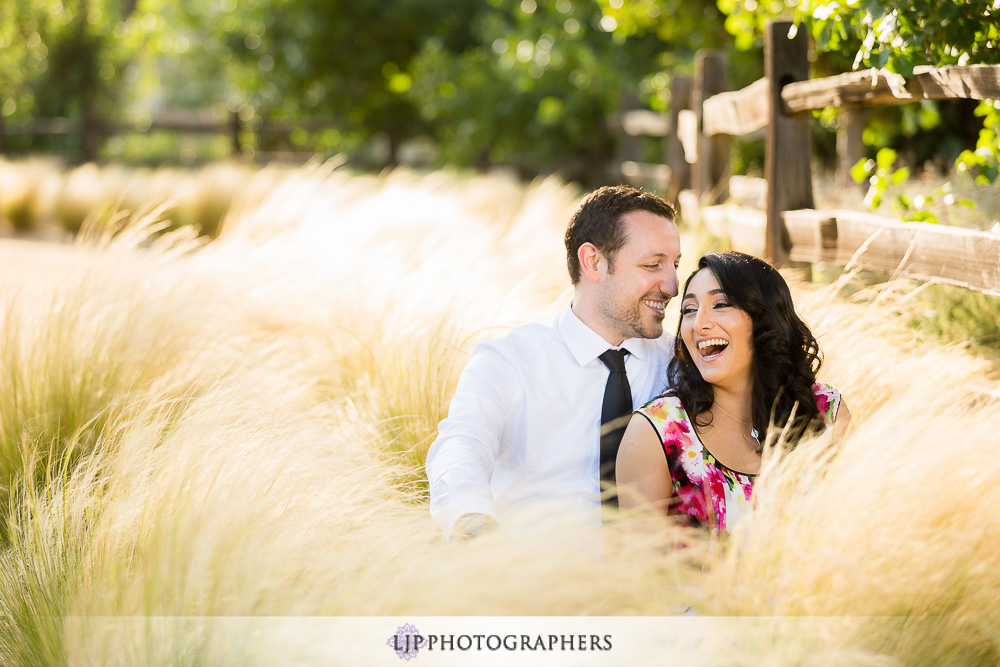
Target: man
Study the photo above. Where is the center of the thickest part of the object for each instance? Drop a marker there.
(522, 443)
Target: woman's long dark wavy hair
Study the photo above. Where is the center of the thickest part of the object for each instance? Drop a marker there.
(786, 356)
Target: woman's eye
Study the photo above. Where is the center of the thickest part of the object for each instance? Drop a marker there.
(688, 310)
(651, 267)
(722, 304)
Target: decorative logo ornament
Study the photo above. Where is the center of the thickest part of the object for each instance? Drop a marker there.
(406, 642)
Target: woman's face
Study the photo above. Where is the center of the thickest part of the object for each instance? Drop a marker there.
(717, 334)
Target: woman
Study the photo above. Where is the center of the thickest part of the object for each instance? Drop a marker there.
(741, 355)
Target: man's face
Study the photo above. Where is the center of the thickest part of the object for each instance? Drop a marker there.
(642, 277)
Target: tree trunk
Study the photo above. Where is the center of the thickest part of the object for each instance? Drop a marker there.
(89, 130)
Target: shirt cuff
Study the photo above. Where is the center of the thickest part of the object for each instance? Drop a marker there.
(448, 516)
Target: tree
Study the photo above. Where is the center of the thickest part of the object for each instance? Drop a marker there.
(347, 62)
(529, 82)
(66, 59)
(535, 91)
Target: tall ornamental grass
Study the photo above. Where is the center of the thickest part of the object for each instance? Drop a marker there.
(198, 430)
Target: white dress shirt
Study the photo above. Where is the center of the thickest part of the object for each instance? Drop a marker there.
(521, 442)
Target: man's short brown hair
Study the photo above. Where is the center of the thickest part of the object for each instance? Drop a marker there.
(598, 220)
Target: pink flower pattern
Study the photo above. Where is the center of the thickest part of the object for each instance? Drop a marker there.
(705, 491)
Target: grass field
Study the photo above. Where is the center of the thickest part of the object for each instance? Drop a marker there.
(237, 427)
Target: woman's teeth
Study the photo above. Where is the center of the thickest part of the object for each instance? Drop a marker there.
(712, 347)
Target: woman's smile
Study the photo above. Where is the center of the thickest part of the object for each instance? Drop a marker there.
(712, 348)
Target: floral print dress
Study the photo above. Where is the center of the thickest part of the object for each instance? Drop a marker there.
(706, 492)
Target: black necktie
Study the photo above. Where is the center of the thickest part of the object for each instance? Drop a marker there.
(614, 413)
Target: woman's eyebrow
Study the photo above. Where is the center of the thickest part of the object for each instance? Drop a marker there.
(713, 292)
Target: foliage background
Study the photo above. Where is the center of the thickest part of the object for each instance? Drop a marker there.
(527, 83)
(533, 85)
(471, 82)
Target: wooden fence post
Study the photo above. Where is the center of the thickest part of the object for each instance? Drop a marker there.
(90, 131)
(788, 150)
(850, 146)
(709, 177)
(629, 147)
(680, 171)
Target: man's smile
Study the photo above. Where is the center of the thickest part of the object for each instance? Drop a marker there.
(659, 305)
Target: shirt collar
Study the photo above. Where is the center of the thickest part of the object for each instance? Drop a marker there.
(585, 344)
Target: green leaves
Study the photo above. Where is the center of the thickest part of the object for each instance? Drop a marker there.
(884, 158)
(984, 162)
(880, 176)
(859, 172)
(885, 184)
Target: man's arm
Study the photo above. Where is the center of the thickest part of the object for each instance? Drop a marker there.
(461, 460)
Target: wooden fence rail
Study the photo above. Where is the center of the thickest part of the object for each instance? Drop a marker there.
(231, 126)
(188, 123)
(882, 88)
(794, 234)
(930, 252)
(737, 113)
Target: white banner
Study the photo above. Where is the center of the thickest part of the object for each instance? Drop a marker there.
(425, 641)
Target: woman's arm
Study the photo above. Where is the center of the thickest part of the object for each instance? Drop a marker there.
(841, 422)
(641, 469)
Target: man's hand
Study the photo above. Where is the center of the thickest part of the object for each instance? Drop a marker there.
(473, 524)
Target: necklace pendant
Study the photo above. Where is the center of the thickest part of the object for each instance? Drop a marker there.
(754, 434)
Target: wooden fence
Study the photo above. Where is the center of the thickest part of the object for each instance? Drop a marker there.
(235, 129)
(89, 133)
(790, 232)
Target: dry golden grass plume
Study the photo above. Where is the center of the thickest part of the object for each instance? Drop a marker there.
(237, 428)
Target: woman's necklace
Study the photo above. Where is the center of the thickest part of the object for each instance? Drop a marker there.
(753, 432)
